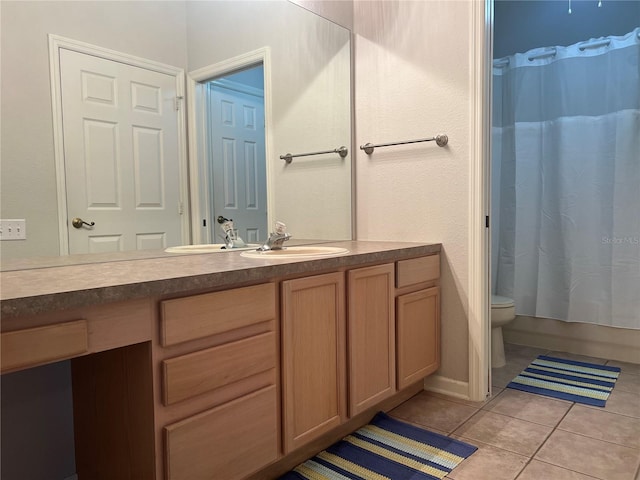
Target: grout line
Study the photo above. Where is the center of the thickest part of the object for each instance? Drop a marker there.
(545, 441)
(563, 468)
(599, 409)
(553, 430)
(523, 468)
(464, 421)
(598, 439)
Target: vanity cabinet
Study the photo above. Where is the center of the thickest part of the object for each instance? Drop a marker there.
(242, 382)
(371, 348)
(417, 319)
(220, 399)
(386, 340)
(313, 357)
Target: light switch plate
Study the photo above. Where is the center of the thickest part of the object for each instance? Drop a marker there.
(13, 229)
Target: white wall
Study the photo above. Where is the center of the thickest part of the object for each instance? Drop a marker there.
(412, 81)
(338, 11)
(153, 29)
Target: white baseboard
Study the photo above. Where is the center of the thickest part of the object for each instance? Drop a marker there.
(599, 341)
(72, 477)
(447, 386)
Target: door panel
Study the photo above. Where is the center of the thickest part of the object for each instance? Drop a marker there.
(121, 152)
(238, 164)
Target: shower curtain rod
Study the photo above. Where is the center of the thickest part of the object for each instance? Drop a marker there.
(551, 52)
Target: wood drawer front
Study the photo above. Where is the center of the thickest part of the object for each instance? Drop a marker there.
(190, 375)
(36, 346)
(227, 442)
(200, 316)
(417, 270)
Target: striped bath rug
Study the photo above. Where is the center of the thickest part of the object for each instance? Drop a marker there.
(385, 449)
(579, 382)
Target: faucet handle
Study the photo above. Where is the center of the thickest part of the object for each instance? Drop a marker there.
(281, 228)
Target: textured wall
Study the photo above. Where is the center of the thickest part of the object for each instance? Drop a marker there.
(412, 81)
(338, 11)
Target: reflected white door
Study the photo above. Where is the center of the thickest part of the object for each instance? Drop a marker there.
(237, 162)
(121, 155)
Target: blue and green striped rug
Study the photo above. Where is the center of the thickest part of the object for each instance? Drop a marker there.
(579, 382)
(385, 449)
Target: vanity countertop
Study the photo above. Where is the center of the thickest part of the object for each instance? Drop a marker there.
(39, 289)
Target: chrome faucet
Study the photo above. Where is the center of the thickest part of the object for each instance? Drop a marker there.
(276, 239)
(231, 237)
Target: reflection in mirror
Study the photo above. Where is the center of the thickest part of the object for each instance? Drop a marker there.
(236, 155)
(306, 64)
(307, 108)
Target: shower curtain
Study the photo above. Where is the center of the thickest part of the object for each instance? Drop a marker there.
(566, 181)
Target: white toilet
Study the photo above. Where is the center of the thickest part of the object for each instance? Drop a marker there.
(502, 312)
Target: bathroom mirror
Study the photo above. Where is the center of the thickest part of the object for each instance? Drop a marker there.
(308, 93)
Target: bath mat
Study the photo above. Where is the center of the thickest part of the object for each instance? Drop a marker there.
(385, 449)
(579, 382)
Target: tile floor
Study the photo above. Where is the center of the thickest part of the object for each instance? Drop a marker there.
(530, 437)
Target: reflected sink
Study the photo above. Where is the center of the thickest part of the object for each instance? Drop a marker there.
(296, 252)
(208, 248)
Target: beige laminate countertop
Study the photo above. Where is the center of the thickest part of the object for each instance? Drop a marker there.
(36, 290)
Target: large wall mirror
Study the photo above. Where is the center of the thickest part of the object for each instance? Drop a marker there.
(303, 62)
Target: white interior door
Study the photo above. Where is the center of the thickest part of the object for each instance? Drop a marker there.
(121, 154)
(238, 163)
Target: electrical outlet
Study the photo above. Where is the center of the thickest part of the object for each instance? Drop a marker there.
(13, 229)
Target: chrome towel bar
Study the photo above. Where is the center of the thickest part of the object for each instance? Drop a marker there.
(441, 140)
(342, 151)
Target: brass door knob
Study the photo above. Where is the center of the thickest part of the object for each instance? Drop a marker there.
(78, 223)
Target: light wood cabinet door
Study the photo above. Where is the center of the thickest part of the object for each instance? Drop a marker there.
(418, 335)
(313, 357)
(371, 336)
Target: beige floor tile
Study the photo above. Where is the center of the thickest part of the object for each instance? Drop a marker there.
(578, 358)
(624, 403)
(469, 403)
(589, 456)
(500, 377)
(632, 368)
(529, 407)
(432, 412)
(504, 432)
(543, 471)
(521, 355)
(602, 425)
(629, 383)
(488, 463)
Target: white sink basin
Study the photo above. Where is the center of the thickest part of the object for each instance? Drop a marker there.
(296, 252)
(208, 248)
